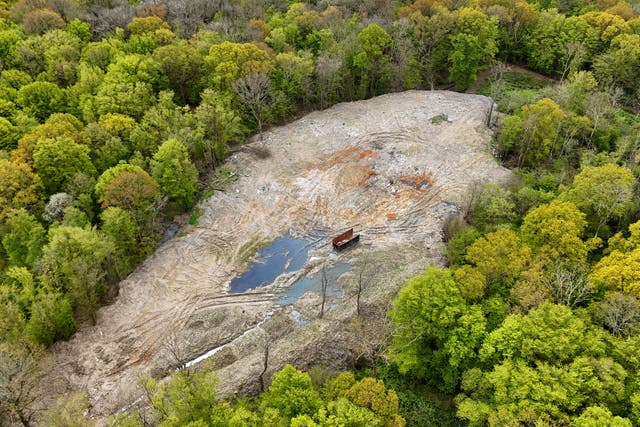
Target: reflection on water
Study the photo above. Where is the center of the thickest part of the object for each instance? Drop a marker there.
(313, 284)
(284, 255)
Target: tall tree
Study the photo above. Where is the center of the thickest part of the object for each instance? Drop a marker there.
(603, 192)
(57, 160)
(75, 261)
(174, 172)
(437, 335)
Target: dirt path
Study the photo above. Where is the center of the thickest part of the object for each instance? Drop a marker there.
(381, 166)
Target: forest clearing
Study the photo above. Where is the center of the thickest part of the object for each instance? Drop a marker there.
(392, 167)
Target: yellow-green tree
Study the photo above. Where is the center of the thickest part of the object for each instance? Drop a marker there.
(603, 192)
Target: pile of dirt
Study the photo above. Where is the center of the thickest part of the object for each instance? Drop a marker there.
(381, 166)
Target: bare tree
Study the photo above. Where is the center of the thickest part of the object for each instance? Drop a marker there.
(20, 389)
(619, 313)
(265, 360)
(324, 284)
(175, 350)
(598, 108)
(329, 80)
(568, 284)
(361, 285)
(255, 91)
(370, 335)
(574, 57)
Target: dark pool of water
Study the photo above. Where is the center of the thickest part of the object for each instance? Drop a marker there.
(313, 284)
(284, 255)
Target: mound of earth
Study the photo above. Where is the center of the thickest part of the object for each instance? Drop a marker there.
(393, 168)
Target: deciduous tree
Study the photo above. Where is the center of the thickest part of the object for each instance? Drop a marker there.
(175, 173)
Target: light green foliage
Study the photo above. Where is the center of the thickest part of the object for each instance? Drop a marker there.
(473, 46)
(102, 53)
(371, 63)
(598, 416)
(41, 99)
(551, 333)
(222, 124)
(533, 135)
(547, 365)
(69, 411)
(80, 29)
(174, 172)
(75, 262)
(579, 87)
(8, 135)
(163, 121)
(494, 208)
(8, 40)
(293, 77)
(603, 192)
(132, 99)
(23, 238)
(437, 335)
(527, 198)
(620, 269)
(553, 230)
(133, 69)
(51, 319)
(471, 283)
(230, 61)
(189, 397)
(19, 187)
(619, 65)
(292, 394)
(501, 257)
(148, 24)
(544, 46)
(74, 217)
(49, 53)
(19, 287)
(57, 160)
(123, 231)
(371, 394)
(12, 320)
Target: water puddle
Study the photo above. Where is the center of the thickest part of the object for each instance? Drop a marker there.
(313, 284)
(284, 255)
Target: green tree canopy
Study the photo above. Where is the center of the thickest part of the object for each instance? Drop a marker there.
(56, 160)
(174, 172)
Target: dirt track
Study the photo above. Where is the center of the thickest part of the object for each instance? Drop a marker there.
(379, 165)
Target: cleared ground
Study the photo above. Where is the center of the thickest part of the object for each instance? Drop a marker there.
(392, 167)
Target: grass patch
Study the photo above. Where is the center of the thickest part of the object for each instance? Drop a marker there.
(195, 215)
(436, 120)
(249, 249)
(513, 89)
(221, 177)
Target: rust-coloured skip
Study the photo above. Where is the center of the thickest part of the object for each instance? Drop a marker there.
(344, 240)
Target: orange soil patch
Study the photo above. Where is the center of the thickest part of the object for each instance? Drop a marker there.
(368, 154)
(418, 181)
(392, 215)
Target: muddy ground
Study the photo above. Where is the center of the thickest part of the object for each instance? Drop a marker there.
(392, 167)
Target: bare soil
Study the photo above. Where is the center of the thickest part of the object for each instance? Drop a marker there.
(382, 166)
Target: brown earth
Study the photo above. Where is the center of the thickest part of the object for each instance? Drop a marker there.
(381, 166)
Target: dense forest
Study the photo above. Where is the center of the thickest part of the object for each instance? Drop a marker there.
(116, 116)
